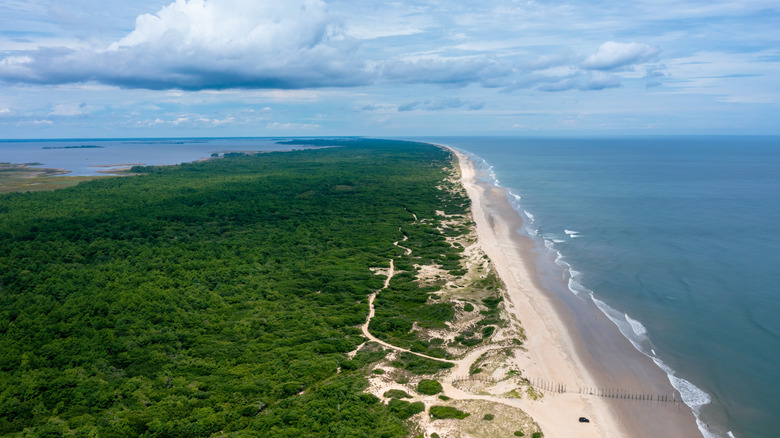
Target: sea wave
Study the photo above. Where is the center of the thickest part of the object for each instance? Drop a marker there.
(638, 328)
(694, 397)
(529, 215)
(577, 288)
(572, 233)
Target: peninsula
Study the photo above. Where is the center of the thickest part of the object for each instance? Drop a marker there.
(366, 288)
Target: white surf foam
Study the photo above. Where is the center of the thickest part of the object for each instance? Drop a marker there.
(530, 216)
(561, 262)
(572, 233)
(619, 320)
(638, 328)
(577, 288)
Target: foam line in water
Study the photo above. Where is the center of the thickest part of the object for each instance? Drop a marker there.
(638, 328)
(577, 288)
(640, 341)
(529, 215)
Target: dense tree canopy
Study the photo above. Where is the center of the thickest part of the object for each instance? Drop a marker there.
(216, 296)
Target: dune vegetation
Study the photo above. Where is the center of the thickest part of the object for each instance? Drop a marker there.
(220, 297)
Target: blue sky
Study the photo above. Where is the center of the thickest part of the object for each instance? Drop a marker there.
(87, 68)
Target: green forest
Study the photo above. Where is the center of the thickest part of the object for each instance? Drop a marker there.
(219, 298)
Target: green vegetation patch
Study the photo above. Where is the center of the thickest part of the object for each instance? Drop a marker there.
(396, 393)
(403, 409)
(212, 296)
(444, 412)
(429, 387)
(420, 365)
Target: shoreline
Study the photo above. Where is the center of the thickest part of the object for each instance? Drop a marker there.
(570, 341)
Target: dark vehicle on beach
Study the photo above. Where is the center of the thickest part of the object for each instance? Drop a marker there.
(584, 420)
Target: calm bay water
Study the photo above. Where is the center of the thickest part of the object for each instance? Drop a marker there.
(679, 237)
(71, 154)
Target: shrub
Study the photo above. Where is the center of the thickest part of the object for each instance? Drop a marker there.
(519, 433)
(420, 365)
(396, 393)
(537, 435)
(444, 398)
(488, 417)
(429, 387)
(444, 412)
(403, 409)
(468, 307)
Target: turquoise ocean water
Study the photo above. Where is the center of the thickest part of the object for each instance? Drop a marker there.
(678, 240)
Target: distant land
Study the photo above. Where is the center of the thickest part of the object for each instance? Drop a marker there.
(84, 146)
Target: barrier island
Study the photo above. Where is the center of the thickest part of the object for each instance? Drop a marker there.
(335, 291)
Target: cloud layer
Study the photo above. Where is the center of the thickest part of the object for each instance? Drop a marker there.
(208, 44)
(298, 44)
(612, 55)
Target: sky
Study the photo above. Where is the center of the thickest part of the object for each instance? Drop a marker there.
(212, 68)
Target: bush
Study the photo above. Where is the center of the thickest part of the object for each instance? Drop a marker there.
(488, 417)
(519, 433)
(468, 307)
(429, 387)
(420, 365)
(537, 435)
(403, 409)
(444, 412)
(396, 393)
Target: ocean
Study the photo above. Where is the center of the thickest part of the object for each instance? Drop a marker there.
(676, 240)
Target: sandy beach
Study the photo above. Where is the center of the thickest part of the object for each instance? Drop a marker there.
(569, 341)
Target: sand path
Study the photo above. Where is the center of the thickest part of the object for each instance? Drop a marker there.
(549, 412)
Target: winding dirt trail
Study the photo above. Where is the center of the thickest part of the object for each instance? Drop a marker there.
(461, 366)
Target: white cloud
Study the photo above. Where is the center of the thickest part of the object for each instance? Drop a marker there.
(293, 126)
(612, 55)
(69, 109)
(209, 44)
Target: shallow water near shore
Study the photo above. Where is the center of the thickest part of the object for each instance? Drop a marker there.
(674, 239)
